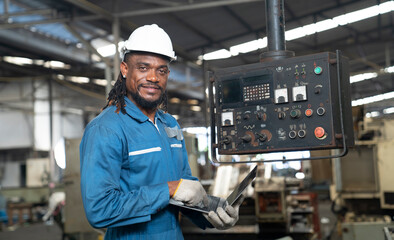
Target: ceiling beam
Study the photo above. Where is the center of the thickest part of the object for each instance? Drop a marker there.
(47, 21)
(184, 7)
(263, 29)
(87, 44)
(30, 12)
(90, 7)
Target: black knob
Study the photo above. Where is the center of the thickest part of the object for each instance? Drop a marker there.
(262, 137)
(246, 138)
(259, 115)
(227, 140)
(281, 115)
(246, 116)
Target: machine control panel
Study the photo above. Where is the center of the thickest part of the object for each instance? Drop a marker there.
(284, 105)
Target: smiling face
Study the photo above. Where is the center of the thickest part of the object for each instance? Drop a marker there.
(146, 79)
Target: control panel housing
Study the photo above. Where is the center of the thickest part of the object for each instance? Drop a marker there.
(299, 103)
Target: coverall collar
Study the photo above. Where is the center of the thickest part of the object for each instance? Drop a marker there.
(133, 111)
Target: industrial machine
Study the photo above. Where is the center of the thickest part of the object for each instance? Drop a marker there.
(362, 190)
(283, 103)
(291, 104)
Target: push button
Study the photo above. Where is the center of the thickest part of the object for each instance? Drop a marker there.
(308, 112)
(321, 111)
(320, 133)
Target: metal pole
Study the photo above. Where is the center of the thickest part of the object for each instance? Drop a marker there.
(275, 19)
(51, 155)
(115, 32)
(275, 25)
(108, 87)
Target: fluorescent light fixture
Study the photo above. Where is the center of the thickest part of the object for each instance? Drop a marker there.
(294, 34)
(389, 110)
(18, 60)
(60, 76)
(195, 108)
(78, 79)
(101, 82)
(325, 25)
(389, 69)
(56, 65)
(248, 46)
(192, 101)
(219, 54)
(362, 77)
(175, 100)
(375, 114)
(372, 99)
(305, 30)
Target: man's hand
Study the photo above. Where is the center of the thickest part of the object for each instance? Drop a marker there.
(189, 192)
(225, 219)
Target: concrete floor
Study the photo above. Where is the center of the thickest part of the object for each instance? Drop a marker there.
(37, 231)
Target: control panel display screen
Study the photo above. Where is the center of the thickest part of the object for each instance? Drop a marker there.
(257, 88)
(232, 91)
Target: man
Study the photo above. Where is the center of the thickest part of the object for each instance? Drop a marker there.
(133, 156)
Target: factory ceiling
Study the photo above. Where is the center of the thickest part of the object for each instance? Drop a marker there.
(75, 33)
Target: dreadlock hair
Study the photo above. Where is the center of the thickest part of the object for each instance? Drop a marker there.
(119, 91)
(116, 95)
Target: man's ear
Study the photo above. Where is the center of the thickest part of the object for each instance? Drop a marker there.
(124, 68)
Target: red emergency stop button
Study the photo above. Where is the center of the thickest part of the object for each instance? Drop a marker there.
(320, 133)
(308, 112)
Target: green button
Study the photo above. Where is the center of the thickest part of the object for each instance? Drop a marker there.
(294, 113)
(318, 70)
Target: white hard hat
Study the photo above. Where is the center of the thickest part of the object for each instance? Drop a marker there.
(150, 38)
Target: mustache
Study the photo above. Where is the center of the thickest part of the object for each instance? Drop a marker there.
(154, 85)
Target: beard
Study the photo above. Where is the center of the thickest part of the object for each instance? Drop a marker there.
(145, 103)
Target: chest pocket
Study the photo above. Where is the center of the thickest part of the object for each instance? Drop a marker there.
(146, 160)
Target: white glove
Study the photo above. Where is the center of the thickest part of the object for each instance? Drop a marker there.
(222, 219)
(191, 193)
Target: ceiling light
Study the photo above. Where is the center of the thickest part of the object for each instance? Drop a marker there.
(219, 54)
(78, 79)
(18, 60)
(248, 46)
(192, 101)
(375, 114)
(195, 108)
(388, 110)
(373, 99)
(362, 77)
(101, 82)
(175, 100)
(56, 65)
(389, 69)
(306, 30)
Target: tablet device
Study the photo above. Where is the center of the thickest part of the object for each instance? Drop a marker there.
(216, 202)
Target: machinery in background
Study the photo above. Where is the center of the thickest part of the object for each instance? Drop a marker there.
(282, 209)
(76, 226)
(363, 190)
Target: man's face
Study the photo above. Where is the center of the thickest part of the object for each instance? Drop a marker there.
(146, 79)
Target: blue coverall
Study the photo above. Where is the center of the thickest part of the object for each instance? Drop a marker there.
(126, 162)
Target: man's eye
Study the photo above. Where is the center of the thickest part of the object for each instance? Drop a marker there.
(142, 68)
(163, 71)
